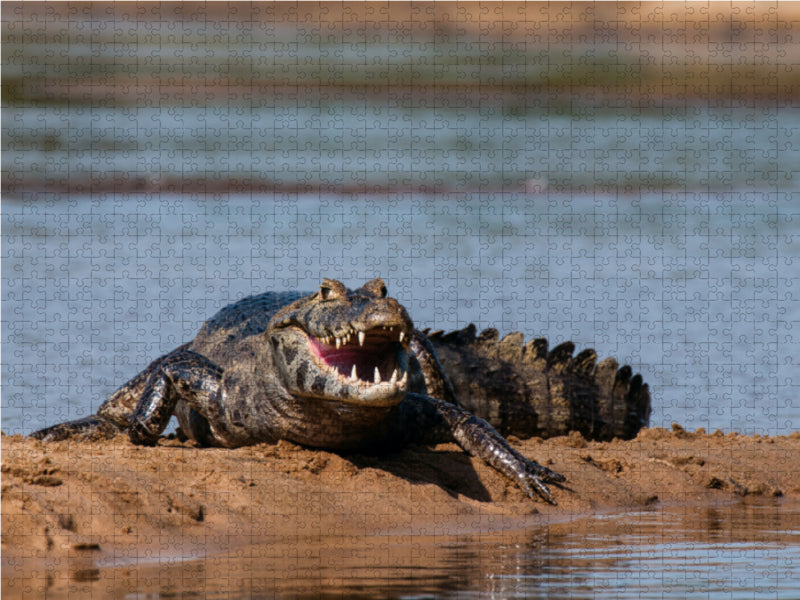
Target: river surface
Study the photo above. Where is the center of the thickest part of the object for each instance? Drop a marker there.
(735, 552)
(696, 290)
(355, 142)
(738, 551)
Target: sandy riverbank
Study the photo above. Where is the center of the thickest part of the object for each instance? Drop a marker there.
(113, 502)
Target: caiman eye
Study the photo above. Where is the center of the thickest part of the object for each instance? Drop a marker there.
(330, 289)
(376, 288)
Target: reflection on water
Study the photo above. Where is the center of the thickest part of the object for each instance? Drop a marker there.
(736, 551)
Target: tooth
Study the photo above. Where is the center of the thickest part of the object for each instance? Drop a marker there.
(394, 376)
(377, 378)
(353, 374)
(402, 335)
(361, 337)
(338, 343)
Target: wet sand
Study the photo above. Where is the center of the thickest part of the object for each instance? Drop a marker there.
(74, 509)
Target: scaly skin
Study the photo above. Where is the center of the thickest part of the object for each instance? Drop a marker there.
(526, 390)
(340, 369)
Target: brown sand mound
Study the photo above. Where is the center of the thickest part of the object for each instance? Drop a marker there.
(114, 501)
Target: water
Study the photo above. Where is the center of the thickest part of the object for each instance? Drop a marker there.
(675, 553)
(358, 142)
(733, 552)
(697, 291)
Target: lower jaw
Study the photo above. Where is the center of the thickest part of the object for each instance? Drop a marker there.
(361, 407)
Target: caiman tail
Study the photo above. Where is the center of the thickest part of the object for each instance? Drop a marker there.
(526, 390)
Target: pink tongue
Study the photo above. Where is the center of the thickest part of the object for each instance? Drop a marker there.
(365, 358)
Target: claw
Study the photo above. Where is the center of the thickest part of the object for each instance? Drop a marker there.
(543, 491)
(546, 474)
(538, 474)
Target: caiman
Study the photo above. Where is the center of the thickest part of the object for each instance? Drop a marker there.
(346, 370)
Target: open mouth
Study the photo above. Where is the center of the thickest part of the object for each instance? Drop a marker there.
(365, 357)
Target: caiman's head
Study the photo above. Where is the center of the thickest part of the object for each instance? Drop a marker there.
(345, 345)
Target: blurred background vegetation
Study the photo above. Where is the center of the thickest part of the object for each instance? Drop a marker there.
(189, 53)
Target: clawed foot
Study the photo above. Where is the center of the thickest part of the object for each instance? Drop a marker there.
(480, 439)
(532, 477)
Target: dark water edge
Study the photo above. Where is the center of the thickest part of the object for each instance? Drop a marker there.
(168, 185)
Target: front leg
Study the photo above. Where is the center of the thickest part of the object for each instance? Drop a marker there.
(181, 375)
(437, 384)
(480, 439)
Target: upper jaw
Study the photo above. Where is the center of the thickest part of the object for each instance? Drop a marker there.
(395, 333)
